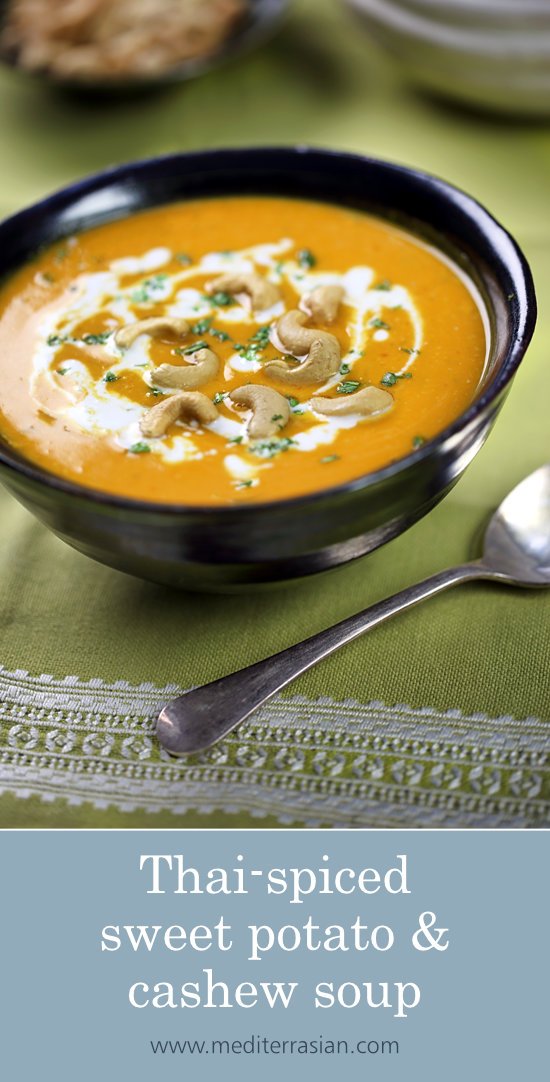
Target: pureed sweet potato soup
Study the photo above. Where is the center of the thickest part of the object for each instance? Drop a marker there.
(235, 349)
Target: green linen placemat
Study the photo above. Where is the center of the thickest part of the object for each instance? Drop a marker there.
(441, 717)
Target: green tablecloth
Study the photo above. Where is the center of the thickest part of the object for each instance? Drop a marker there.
(441, 717)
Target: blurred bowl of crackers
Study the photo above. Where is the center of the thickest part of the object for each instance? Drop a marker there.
(120, 45)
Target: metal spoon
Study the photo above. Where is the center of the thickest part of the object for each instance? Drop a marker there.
(516, 552)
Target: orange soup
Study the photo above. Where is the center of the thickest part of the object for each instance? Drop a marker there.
(235, 349)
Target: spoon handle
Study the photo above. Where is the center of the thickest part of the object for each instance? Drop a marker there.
(200, 717)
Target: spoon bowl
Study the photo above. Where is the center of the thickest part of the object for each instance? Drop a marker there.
(517, 539)
(516, 552)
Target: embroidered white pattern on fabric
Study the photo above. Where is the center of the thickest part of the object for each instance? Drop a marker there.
(319, 762)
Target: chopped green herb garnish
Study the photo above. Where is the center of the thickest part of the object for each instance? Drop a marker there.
(244, 484)
(294, 405)
(183, 258)
(156, 392)
(344, 369)
(202, 325)
(87, 339)
(418, 441)
(96, 339)
(348, 386)
(277, 417)
(251, 350)
(379, 324)
(250, 353)
(407, 349)
(306, 259)
(236, 439)
(330, 458)
(139, 448)
(262, 336)
(391, 378)
(145, 292)
(140, 296)
(62, 371)
(219, 397)
(222, 335)
(192, 349)
(270, 448)
(220, 300)
(110, 377)
(384, 286)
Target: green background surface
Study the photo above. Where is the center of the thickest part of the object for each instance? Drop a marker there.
(478, 649)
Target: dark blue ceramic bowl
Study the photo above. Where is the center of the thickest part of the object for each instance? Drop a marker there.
(223, 548)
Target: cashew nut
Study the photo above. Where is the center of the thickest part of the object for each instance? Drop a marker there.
(270, 410)
(323, 302)
(367, 402)
(262, 293)
(322, 351)
(203, 367)
(188, 406)
(156, 327)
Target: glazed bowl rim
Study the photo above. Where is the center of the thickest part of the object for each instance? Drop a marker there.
(504, 248)
(454, 40)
